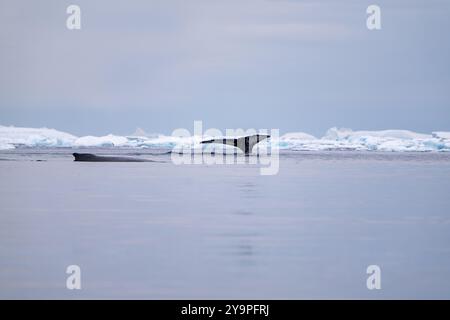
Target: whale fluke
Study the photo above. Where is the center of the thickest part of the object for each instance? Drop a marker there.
(89, 157)
(246, 144)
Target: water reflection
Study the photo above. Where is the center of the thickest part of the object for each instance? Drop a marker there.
(240, 240)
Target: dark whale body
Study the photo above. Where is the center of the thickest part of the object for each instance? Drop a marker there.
(89, 157)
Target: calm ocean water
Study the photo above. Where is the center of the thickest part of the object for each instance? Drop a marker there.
(158, 230)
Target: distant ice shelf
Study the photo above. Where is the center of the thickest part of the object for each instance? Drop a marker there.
(335, 139)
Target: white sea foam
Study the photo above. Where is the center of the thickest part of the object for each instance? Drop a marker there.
(334, 139)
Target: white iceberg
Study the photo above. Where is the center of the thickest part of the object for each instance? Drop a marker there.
(10, 137)
(334, 139)
(105, 141)
(441, 135)
(386, 140)
(349, 134)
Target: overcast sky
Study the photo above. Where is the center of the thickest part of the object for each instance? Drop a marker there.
(159, 65)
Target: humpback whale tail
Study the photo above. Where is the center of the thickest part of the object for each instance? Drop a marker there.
(246, 143)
